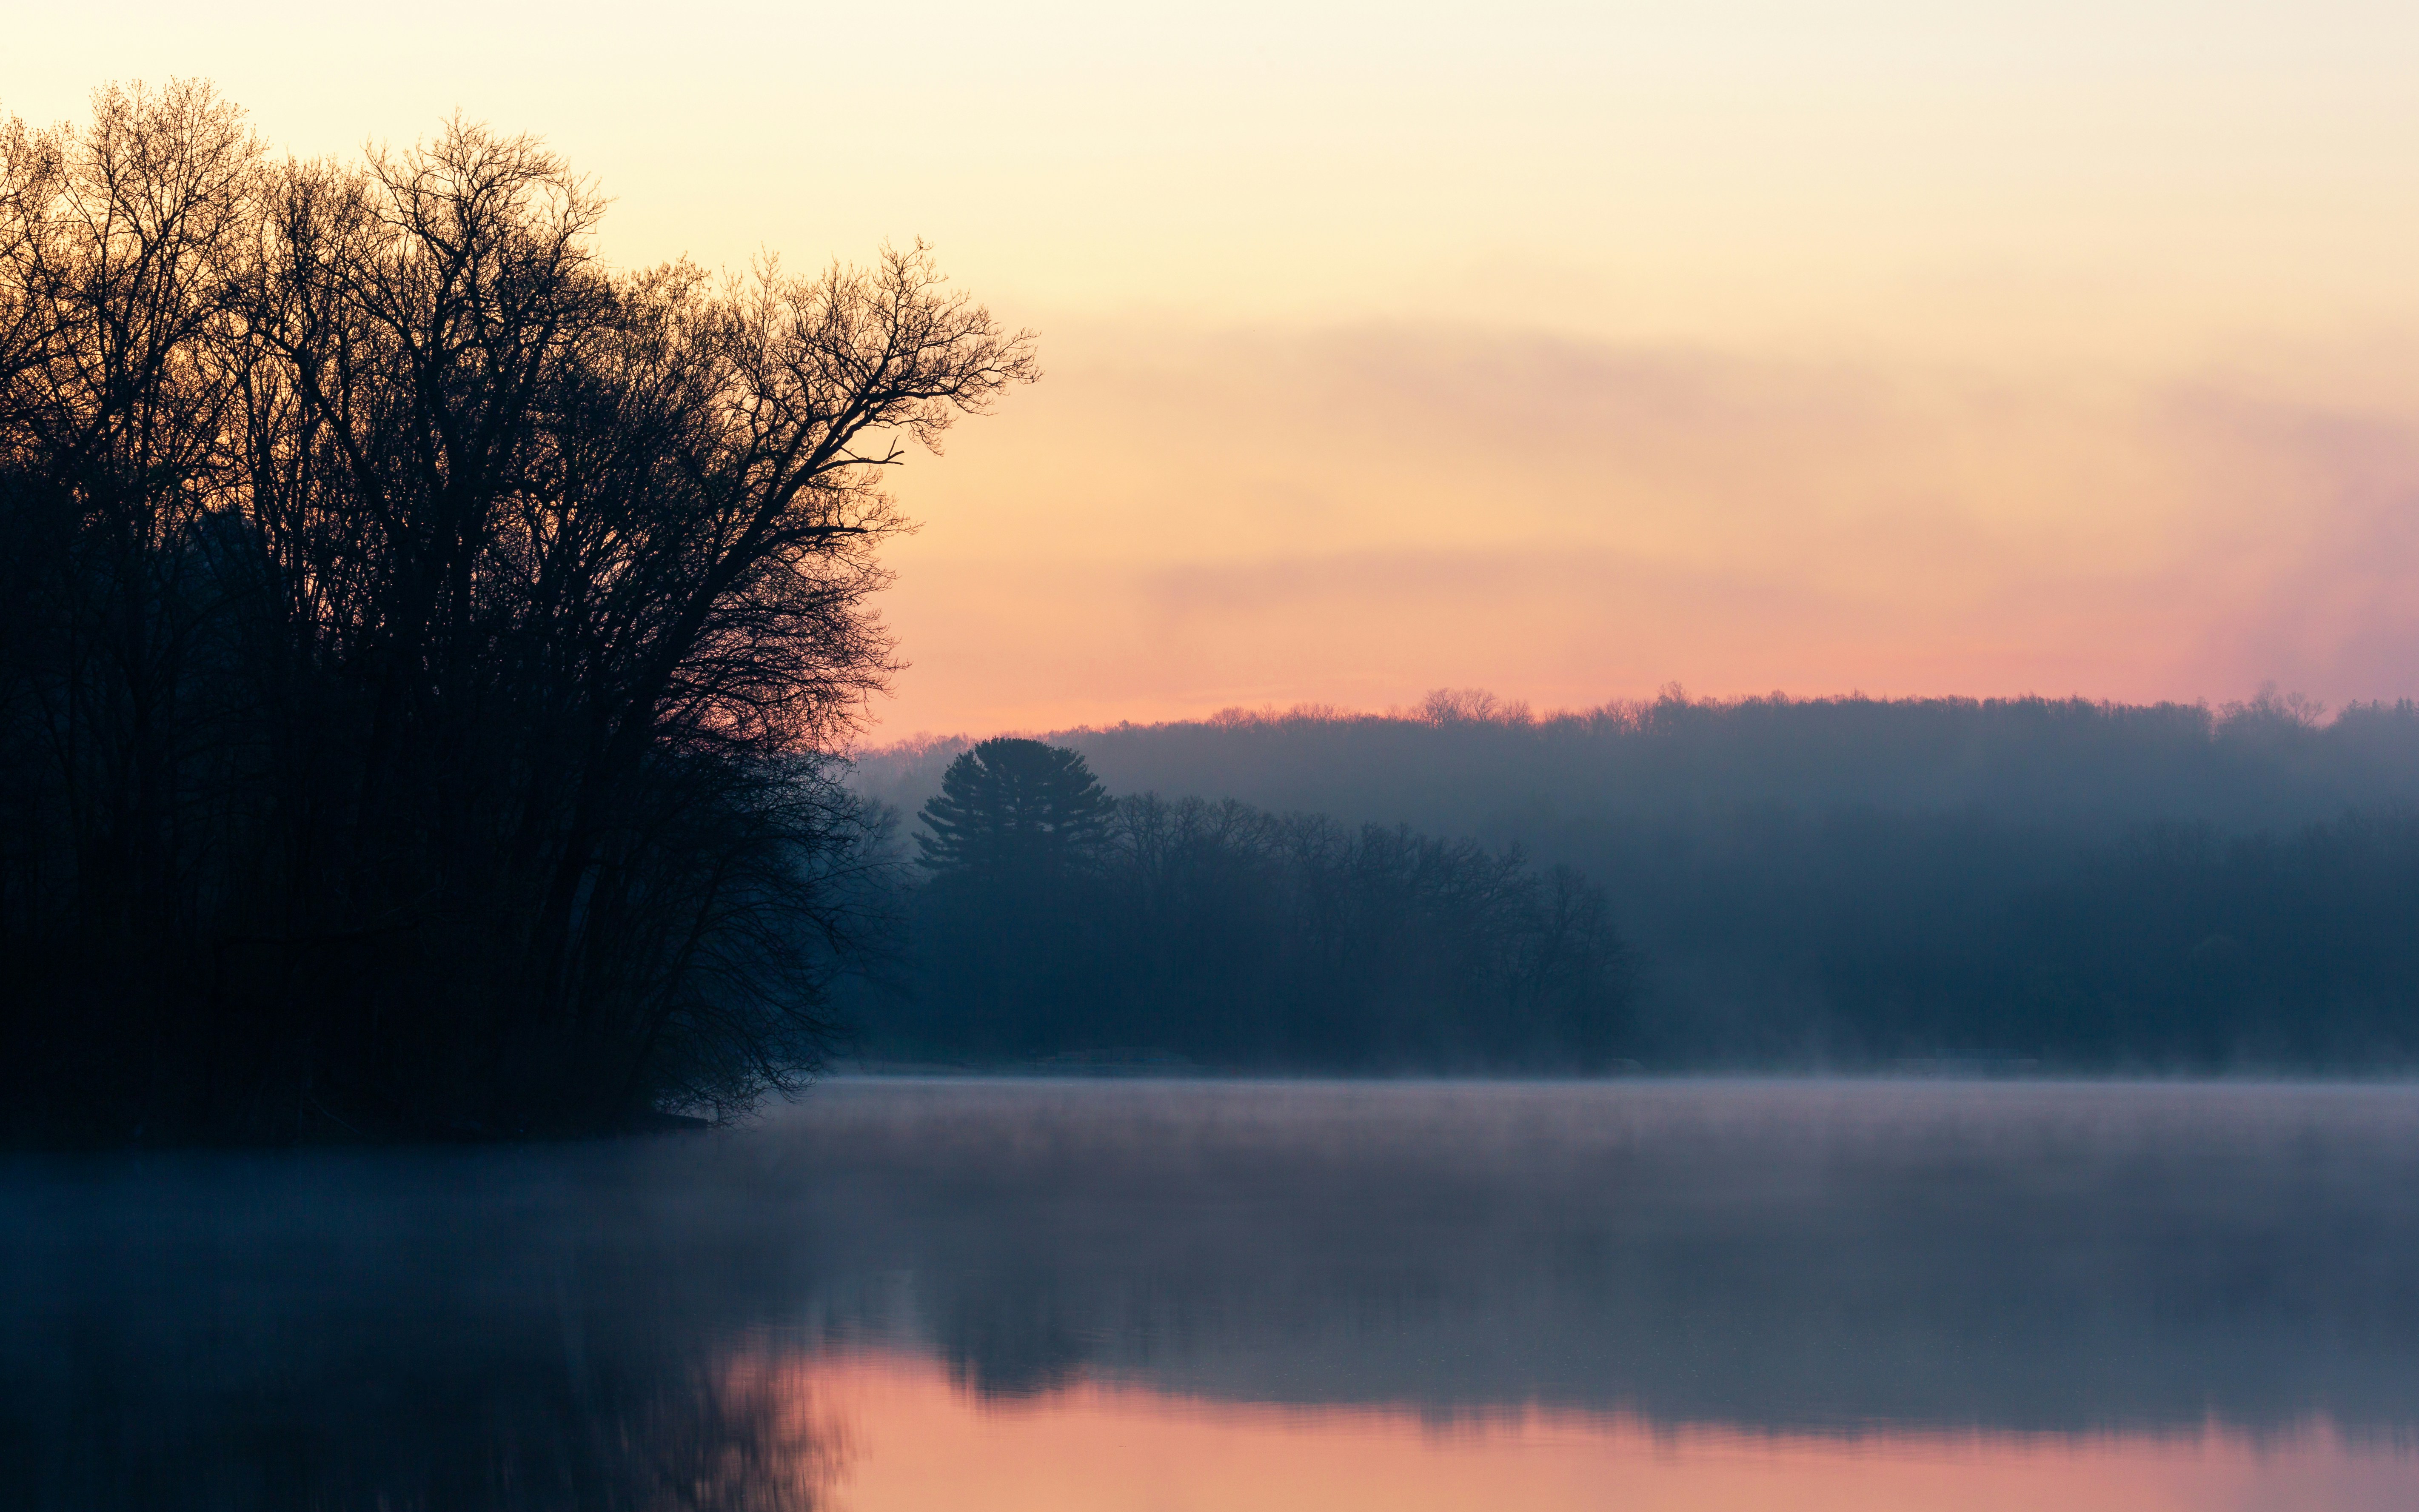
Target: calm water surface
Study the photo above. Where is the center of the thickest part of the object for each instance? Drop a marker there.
(1153, 1295)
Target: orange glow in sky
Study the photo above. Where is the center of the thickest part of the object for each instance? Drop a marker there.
(1562, 351)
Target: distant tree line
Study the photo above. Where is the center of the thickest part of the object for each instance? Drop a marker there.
(419, 641)
(1056, 919)
(1856, 881)
(2174, 947)
(1465, 763)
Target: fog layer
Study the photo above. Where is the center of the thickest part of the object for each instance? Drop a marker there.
(573, 1326)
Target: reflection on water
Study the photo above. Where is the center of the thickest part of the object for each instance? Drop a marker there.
(1096, 1448)
(1208, 1295)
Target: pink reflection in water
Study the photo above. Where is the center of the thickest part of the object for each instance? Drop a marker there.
(909, 1439)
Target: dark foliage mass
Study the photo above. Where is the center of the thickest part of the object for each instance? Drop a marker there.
(1057, 921)
(1014, 805)
(1854, 881)
(418, 639)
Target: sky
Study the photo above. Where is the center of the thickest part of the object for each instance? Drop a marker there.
(1565, 352)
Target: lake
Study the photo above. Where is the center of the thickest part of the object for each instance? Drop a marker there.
(1168, 1296)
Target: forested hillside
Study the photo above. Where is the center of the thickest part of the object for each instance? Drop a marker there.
(1850, 881)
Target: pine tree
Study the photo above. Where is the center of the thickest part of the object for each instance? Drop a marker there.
(1014, 804)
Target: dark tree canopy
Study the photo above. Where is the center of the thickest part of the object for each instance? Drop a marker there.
(425, 642)
(1009, 804)
(1237, 938)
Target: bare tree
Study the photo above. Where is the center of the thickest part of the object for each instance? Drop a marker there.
(542, 589)
(114, 242)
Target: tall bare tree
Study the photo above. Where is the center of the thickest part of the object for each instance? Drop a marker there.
(115, 240)
(538, 593)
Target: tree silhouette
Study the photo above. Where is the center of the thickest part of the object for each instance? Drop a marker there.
(422, 644)
(1014, 804)
(1237, 938)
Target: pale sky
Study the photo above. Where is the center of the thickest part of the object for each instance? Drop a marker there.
(1565, 351)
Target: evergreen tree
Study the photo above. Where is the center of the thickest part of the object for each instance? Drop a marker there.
(1014, 804)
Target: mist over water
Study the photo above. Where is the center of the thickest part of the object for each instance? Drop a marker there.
(641, 1324)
